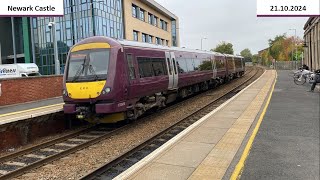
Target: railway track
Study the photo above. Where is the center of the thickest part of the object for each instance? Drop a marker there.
(18, 163)
(112, 169)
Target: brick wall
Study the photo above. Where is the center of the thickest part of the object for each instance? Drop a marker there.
(21, 90)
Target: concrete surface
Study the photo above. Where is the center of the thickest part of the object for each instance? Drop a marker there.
(287, 144)
(30, 105)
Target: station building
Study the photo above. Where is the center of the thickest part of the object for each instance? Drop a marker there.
(26, 40)
(312, 43)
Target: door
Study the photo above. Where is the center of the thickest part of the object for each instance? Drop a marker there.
(172, 70)
(214, 67)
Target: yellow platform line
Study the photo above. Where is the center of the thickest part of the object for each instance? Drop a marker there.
(29, 110)
(239, 167)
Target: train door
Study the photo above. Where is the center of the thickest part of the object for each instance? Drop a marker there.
(172, 70)
(214, 67)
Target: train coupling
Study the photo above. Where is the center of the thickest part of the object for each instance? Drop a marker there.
(82, 112)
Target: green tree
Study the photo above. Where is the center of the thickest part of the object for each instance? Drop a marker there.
(246, 53)
(255, 58)
(224, 47)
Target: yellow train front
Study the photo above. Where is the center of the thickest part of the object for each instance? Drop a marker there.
(91, 87)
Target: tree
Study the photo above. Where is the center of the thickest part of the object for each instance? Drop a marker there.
(223, 47)
(255, 58)
(246, 53)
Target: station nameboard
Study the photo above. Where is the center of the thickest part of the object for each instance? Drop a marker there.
(287, 8)
(16, 8)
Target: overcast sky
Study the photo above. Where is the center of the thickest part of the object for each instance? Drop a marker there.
(233, 21)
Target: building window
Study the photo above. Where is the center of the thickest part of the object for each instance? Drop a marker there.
(157, 40)
(164, 42)
(155, 21)
(165, 26)
(134, 11)
(142, 12)
(167, 42)
(135, 35)
(144, 37)
(150, 18)
(161, 23)
(150, 39)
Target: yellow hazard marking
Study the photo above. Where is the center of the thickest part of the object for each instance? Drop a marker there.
(239, 167)
(91, 46)
(29, 110)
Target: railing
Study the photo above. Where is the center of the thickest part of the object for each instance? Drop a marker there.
(287, 65)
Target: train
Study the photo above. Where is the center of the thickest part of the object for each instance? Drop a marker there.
(109, 80)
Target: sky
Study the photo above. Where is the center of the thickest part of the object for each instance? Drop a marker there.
(233, 21)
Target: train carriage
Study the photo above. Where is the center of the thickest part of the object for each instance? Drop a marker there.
(108, 80)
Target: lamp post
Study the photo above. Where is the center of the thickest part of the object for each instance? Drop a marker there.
(52, 26)
(201, 41)
(295, 41)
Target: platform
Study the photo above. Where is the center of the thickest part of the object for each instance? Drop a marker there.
(18, 112)
(287, 145)
(206, 149)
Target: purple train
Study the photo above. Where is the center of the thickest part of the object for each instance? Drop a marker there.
(108, 80)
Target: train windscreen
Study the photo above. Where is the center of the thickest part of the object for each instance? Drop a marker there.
(88, 65)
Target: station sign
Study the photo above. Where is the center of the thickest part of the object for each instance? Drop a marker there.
(17, 8)
(288, 8)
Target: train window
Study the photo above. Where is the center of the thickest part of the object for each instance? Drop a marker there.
(169, 66)
(190, 65)
(132, 72)
(205, 65)
(145, 67)
(220, 64)
(182, 65)
(174, 66)
(159, 66)
(238, 62)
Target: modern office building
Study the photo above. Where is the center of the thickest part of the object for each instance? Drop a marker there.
(31, 40)
(312, 43)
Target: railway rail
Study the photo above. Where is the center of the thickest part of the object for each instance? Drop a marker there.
(18, 163)
(120, 164)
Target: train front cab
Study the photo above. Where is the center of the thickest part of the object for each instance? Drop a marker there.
(91, 88)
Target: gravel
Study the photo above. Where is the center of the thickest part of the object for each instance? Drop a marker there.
(82, 162)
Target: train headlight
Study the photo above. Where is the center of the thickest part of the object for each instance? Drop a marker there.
(106, 91)
(65, 93)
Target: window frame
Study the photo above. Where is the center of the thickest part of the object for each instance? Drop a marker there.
(129, 67)
(142, 15)
(135, 35)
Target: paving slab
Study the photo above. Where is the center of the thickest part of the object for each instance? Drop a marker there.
(187, 154)
(207, 135)
(158, 171)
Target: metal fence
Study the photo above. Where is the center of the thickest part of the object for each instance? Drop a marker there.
(287, 65)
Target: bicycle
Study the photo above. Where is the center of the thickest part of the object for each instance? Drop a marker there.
(302, 76)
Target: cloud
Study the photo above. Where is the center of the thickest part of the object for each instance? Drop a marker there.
(228, 20)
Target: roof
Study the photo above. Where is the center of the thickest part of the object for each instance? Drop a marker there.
(155, 46)
(309, 22)
(160, 8)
